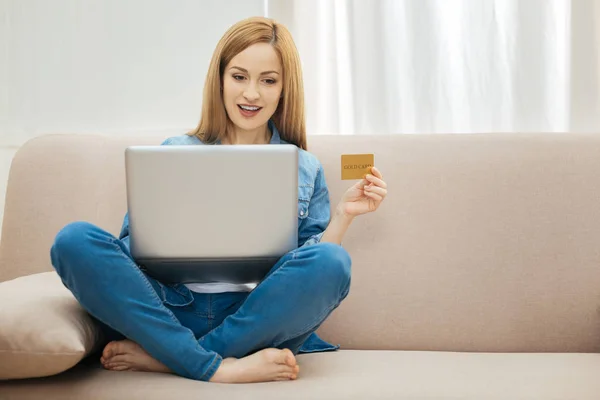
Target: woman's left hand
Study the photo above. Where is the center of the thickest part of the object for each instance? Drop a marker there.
(365, 196)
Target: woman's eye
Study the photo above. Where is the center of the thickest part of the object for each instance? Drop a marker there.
(238, 77)
(270, 81)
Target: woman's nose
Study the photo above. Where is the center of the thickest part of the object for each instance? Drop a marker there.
(251, 94)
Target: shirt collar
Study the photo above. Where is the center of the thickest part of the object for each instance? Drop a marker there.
(275, 138)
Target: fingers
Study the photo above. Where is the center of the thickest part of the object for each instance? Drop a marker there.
(376, 181)
(375, 171)
(374, 196)
(376, 189)
(361, 184)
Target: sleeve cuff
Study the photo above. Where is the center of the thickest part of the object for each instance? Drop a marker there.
(314, 239)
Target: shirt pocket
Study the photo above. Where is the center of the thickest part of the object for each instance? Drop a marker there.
(305, 193)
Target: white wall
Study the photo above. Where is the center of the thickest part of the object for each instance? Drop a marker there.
(110, 66)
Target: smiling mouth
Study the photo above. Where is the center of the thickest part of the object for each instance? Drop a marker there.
(249, 108)
(249, 111)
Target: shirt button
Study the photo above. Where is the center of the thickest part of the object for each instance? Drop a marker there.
(301, 212)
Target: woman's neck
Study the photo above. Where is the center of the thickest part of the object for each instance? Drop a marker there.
(260, 135)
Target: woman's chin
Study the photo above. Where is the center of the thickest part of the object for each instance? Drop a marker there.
(248, 125)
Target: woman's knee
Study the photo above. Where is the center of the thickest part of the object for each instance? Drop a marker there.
(335, 263)
(71, 242)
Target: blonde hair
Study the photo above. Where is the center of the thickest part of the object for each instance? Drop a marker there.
(289, 115)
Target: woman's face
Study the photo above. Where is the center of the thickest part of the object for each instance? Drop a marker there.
(252, 84)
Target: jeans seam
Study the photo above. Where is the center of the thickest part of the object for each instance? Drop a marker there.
(209, 314)
(155, 295)
(198, 313)
(146, 281)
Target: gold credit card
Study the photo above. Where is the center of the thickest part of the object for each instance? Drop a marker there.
(356, 166)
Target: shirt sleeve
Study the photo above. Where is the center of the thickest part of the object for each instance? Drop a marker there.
(124, 234)
(312, 227)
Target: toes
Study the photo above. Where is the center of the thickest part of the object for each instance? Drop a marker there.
(287, 358)
(285, 370)
(290, 359)
(108, 350)
(117, 367)
(285, 377)
(120, 358)
(112, 349)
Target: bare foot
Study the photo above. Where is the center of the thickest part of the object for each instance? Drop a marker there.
(126, 355)
(264, 366)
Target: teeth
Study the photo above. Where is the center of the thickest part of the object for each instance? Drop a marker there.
(249, 108)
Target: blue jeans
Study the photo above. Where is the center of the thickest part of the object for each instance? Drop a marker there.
(189, 332)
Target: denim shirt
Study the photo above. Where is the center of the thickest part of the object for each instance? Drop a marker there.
(313, 209)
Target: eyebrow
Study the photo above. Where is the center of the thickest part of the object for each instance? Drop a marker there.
(262, 73)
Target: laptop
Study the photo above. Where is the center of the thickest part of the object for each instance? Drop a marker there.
(211, 213)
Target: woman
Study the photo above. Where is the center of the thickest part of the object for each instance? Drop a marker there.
(219, 332)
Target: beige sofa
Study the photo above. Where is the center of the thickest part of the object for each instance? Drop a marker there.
(478, 278)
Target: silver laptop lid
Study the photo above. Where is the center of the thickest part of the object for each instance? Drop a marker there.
(212, 202)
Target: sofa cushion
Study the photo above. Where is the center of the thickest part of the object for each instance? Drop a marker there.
(349, 374)
(43, 329)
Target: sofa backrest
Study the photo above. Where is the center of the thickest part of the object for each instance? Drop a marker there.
(486, 242)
